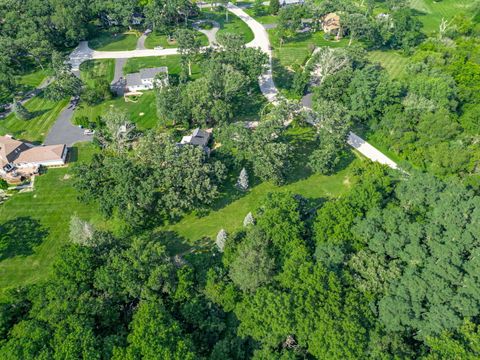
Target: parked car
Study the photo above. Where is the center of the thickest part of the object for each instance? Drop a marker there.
(88, 132)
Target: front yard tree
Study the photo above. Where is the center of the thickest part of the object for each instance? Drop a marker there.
(20, 111)
(358, 26)
(188, 47)
(327, 61)
(274, 6)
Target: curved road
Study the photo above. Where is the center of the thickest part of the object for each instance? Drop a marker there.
(267, 86)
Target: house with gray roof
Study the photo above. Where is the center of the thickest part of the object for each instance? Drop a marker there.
(199, 137)
(146, 79)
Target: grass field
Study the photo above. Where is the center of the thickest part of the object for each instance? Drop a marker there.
(143, 113)
(232, 208)
(44, 113)
(431, 12)
(92, 70)
(234, 25)
(394, 62)
(33, 79)
(161, 40)
(38, 224)
(172, 62)
(106, 41)
(263, 17)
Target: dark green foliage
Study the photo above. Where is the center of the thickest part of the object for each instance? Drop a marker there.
(20, 111)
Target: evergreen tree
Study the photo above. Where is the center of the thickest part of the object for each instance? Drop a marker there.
(249, 220)
(242, 182)
(274, 6)
(221, 238)
(20, 111)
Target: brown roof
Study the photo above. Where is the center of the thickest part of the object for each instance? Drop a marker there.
(40, 154)
(10, 149)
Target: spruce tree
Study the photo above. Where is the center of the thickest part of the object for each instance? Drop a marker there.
(242, 182)
(20, 111)
(249, 220)
(221, 238)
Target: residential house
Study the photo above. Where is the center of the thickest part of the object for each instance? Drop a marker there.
(331, 25)
(291, 2)
(137, 18)
(146, 79)
(21, 159)
(199, 137)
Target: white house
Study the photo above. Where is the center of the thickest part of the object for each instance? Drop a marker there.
(291, 2)
(146, 79)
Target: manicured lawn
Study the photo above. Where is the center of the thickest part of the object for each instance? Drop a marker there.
(92, 70)
(143, 112)
(234, 24)
(232, 208)
(106, 41)
(431, 12)
(161, 40)
(33, 79)
(38, 222)
(392, 61)
(172, 62)
(44, 111)
(263, 17)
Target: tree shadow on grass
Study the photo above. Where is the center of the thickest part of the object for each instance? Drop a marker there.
(283, 76)
(174, 243)
(18, 237)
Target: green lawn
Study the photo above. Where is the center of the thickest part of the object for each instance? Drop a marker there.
(143, 112)
(394, 62)
(44, 112)
(232, 208)
(172, 62)
(161, 40)
(234, 24)
(33, 79)
(263, 17)
(106, 41)
(431, 12)
(38, 222)
(92, 70)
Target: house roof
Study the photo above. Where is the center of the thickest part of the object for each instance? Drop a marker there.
(10, 149)
(38, 154)
(199, 137)
(291, 2)
(150, 73)
(133, 79)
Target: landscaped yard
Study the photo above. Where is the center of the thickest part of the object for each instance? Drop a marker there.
(234, 25)
(232, 208)
(33, 79)
(162, 40)
(143, 112)
(107, 41)
(264, 16)
(431, 12)
(44, 113)
(38, 224)
(172, 62)
(92, 70)
(393, 61)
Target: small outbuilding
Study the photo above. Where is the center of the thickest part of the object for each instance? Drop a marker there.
(331, 25)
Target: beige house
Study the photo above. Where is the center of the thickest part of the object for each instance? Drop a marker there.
(331, 25)
(19, 159)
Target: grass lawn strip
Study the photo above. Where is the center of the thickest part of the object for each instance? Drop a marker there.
(107, 41)
(93, 70)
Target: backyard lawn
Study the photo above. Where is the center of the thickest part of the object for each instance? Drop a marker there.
(143, 112)
(44, 113)
(38, 224)
(172, 62)
(393, 61)
(234, 25)
(431, 12)
(232, 208)
(92, 70)
(107, 41)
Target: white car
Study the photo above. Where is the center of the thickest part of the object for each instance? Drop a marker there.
(88, 132)
(158, 48)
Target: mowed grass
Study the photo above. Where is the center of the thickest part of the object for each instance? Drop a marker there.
(431, 12)
(51, 204)
(107, 41)
(34, 78)
(234, 25)
(153, 40)
(263, 16)
(392, 61)
(235, 205)
(44, 113)
(172, 62)
(143, 112)
(93, 70)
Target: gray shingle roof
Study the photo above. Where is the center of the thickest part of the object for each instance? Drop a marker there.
(134, 79)
(200, 137)
(152, 72)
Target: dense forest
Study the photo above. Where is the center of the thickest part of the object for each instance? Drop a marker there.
(388, 269)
